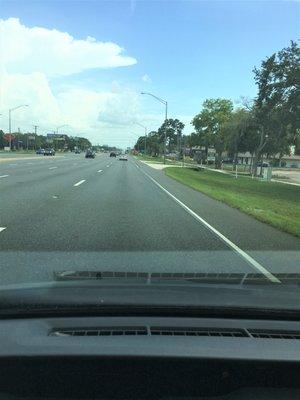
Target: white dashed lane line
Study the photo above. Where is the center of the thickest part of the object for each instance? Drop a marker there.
(4, 176)
(53, 167)
(100, 170)
(79, 183)
(107, 166)
(2, 228)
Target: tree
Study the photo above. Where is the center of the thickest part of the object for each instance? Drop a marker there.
(154, 145)
(173, 128)
(2, 141)
(277, 104)
(140, 144)
(236, 132)
(209, 125)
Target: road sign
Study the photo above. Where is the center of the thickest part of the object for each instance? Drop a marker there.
(8, 137)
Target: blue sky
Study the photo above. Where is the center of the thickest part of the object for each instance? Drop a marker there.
(190, 50)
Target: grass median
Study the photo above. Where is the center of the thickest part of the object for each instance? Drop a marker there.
(275, 203)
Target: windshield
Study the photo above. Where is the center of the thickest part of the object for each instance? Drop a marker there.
(150, 137)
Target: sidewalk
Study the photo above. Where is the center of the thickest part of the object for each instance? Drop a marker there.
(161, 166)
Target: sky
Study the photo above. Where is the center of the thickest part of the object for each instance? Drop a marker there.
(82, 65)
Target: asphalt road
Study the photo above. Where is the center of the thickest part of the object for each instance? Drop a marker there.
(72, 213)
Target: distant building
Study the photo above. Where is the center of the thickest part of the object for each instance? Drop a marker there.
(292, 161)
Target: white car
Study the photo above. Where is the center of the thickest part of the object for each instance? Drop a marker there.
(123, 157)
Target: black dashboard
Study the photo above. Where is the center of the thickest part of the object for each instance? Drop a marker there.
(149, 357)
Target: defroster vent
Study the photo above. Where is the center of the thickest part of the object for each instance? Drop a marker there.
(102, 331)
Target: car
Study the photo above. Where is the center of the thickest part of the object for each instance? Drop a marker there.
(123, 157)
(262, 164)
(77, 151)
(112, 154)
(40, 151)
(49, 152)
(90, 154)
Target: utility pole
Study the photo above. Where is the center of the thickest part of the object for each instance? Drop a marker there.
(166, 118)
(18, 138)
(9, 127)
(145, 128)
(9, 120)
(35, 133)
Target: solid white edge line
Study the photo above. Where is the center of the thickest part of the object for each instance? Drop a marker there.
(79, 183)
(4, 176)
(2, 228)
(241, 252)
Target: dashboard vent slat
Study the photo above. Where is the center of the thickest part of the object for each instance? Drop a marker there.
(189, 331)
(102, 331)
(274, 334)
(177, 331)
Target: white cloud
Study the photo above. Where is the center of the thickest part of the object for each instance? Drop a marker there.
(93, 113)
(30, 57)
(146, 78)
(26, 50)
(34, 90)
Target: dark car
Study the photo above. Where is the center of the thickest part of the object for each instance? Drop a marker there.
(262, 164)
(112, 154)
(77, 151)
(90, 154)
(49, 152)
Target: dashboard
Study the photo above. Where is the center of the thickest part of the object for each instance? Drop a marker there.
(149, 357)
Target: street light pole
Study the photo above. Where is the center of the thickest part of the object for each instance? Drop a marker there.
(166, 117)
(61, 126)
(9, 120)
(145, 128)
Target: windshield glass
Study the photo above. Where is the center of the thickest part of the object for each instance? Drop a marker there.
(150, 137)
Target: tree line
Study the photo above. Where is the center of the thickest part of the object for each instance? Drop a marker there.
(31, 141)
(269, 124)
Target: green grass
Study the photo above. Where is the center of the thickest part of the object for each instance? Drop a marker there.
(274, 203)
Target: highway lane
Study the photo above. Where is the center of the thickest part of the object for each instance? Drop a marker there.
(19, 168)
(26, 172)
(109, 214)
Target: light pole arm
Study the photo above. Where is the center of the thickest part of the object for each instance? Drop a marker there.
(156, 97)
(166, 117)
(166, 103)
(145, 128)
(9, 119)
